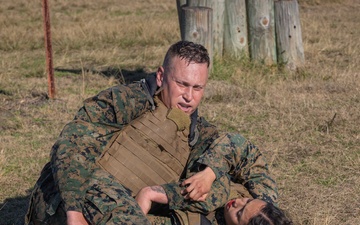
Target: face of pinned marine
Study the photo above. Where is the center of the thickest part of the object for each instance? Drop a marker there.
(239, 211)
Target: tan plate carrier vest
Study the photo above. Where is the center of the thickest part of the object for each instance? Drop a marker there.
(151, 150)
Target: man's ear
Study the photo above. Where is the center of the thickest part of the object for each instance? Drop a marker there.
(160, 76)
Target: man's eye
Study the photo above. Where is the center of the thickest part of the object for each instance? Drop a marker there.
(180, 84)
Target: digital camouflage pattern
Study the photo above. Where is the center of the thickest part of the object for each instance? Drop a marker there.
(73, 181)
(248, 173)
(233, 154)
(78, 182)
(228, 152)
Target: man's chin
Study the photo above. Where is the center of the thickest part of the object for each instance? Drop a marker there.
(189, 112)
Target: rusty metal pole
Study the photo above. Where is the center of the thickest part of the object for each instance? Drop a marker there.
(48, 49)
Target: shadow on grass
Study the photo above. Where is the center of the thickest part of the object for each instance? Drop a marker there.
(13, 210)
(122, 75)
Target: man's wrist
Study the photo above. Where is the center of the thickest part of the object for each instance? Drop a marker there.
(210, 173)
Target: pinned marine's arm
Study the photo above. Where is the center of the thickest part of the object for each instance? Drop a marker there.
(217, 197)
(222, 154)
(253, 172)
(233, 154)
(201, 173)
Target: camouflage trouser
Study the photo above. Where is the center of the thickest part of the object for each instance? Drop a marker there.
(106, 202)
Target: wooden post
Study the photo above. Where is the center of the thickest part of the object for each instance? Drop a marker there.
(218, 12)
(201, 3)
(196, 23)
(218, 7)
(48, 49)
(179, 5)
(290, 48)
(262, 31)
(236, 31)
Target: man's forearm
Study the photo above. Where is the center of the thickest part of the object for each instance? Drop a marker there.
(158, 195)
(148, 195)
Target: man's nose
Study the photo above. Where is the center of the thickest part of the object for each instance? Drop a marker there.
(188, 94)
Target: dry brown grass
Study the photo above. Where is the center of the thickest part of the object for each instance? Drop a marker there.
(307, 122)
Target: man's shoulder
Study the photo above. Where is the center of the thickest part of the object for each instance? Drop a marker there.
(118, 92)
(207, 131)
(129, 89)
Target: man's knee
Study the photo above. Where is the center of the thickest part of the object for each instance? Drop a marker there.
(111, 203)
(40, 212)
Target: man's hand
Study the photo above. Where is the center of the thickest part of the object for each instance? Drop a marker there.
(199, 185)
(147, 195)
(75, 218)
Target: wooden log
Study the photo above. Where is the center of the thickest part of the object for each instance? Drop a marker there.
(218, 12)
(218, 7)
(236, 30)
(196, 23)
(179, 5)
(202, 3)
(290, 50)
(262, 31)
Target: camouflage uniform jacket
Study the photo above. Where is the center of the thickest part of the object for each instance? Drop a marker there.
(248, 171)
(232, 156)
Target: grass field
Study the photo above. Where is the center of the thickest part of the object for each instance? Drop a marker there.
(307, 122)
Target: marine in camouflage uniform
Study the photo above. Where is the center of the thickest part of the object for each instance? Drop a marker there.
(72, 181)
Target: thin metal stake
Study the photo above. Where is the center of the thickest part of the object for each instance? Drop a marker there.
(48, 49)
